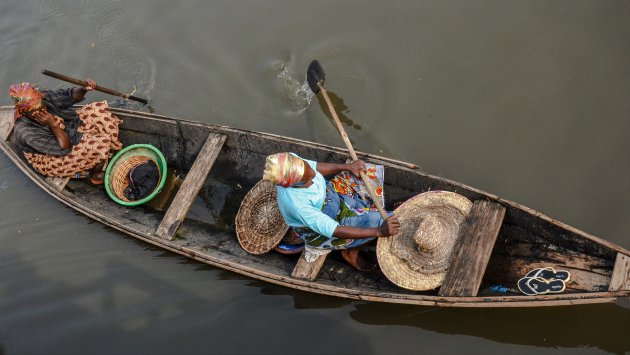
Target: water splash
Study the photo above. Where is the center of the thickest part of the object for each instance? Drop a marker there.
(297, 93)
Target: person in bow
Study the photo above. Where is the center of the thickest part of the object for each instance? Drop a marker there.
(59, 140)
(334, 214)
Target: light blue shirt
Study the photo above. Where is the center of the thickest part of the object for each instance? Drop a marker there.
(302, 207)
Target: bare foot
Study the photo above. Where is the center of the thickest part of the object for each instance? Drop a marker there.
(98, 175)
(353, 258)
(97, 178)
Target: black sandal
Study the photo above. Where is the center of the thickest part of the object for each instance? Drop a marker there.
(549, 273)
(532, 286)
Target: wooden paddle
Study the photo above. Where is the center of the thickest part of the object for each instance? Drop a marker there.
(98, 88)
(315, 77)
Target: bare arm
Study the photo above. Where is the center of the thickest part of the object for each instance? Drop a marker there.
(78, 93)
(388, 228)
(48, 119)
(61, 135)
(328, 169)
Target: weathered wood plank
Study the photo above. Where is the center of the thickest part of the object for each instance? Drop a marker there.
(305, 270)
(507, 270)
(6, 124)
(160, 127)
(561, 256)
(559, 233)
(472, 249)
(620, 279)
(203, 242)
(191, 186)
(58, 183)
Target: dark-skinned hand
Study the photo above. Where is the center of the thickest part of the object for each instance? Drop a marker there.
(390, 227)
(44, 117)
(356, 167)
(91, 85)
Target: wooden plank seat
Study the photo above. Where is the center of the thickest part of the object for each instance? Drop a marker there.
(57, 182)
(306, 270)
(620, 279)
(472, 250)
(190, 187)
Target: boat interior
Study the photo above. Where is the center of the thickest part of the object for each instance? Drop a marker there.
(523, 240)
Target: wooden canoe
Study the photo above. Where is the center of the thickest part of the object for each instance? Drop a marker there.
(500, 241)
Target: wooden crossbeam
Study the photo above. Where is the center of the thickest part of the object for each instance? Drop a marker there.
(472, 249)
(620, 279)
(6, 124)
(58, 183)
(308, 270)
(190, 187)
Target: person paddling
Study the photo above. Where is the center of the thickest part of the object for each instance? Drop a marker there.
(60, 141)
(329, 215)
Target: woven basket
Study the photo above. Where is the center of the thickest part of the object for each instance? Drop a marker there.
(120, 176)
(259, 224)
(117, 174)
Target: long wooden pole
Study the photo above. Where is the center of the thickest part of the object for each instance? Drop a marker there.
(353, 154)
(98, 88)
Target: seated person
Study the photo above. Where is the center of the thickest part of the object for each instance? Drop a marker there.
(60, 141)
(334, 214)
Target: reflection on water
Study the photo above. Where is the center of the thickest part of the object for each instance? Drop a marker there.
(340, 108)
(601, 326)
(301, 300)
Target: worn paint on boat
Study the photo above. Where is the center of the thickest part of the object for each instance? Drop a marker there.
(202, 228)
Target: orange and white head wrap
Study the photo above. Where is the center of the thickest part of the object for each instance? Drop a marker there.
(283, 169)
(25, 97)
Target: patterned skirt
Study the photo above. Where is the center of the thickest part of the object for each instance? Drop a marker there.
(98, 143)
(349, 203)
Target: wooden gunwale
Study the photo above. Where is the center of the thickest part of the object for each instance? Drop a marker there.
(393, 163)
(387, 161)
(428, 300)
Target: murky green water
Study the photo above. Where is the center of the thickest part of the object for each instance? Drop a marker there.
(525, 99)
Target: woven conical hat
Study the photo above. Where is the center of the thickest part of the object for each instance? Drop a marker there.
(417, 257)
(259, 224)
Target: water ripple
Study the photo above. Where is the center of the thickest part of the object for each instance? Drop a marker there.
(117, 32)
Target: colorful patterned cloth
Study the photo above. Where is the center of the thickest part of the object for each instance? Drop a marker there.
(32, 137)
(25, 98)
(98, 142)
(283, 169)
(348, 202)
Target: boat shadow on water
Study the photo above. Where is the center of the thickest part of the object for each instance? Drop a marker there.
(219, 165)
(599, 326)
(596, 326)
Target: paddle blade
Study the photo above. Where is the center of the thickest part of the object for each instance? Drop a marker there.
(315, 74)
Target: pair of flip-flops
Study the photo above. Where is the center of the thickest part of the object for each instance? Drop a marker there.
(543, 280)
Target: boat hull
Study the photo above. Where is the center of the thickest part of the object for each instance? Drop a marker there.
(238, 167)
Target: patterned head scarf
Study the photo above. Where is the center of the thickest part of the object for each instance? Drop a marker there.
(25, 97)
(283, 169)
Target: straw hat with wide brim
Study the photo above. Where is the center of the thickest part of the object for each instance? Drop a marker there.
(259, 224)
(417, 257)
